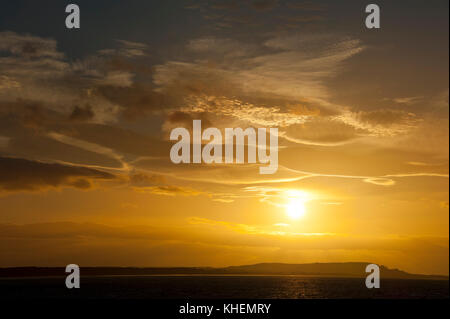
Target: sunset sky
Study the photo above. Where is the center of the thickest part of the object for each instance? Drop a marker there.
(85, 119)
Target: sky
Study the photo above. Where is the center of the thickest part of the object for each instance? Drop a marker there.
(86, 116)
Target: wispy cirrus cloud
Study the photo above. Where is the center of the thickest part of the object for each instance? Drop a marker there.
(278, 82)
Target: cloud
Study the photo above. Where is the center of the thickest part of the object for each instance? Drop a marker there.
(223, 108)
(221, 47)
(306, 6)
(26, 113)
(169, 190)
(419, 175)
(291, 66)
(30, 56)
(80, 113)
(141, 179)
(380, 181)
(380, 123)
(252, 229)
(388, 117)
(193, 6)
(138, 100)
(104, 147)
(224, 4)
(91, 147)
(28, 45)
(158, 184)
(8, 83)
(419, 164)
(25, 175)
(301, 65)
(35, 71)
(116, 79)
(132, 49)
(217, 174)
(264, 5)
(4, 141)
(408, 100)
(324, 131)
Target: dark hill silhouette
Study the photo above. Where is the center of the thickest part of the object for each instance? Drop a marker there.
(350, 269)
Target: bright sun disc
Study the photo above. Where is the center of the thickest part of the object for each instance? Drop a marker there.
(296, 208)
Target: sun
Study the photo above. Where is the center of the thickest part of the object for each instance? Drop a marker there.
(296, 208)
(296, 203)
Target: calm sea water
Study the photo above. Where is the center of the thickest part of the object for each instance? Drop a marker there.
(219, 287)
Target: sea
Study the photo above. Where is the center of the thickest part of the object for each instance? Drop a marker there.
(219, 287)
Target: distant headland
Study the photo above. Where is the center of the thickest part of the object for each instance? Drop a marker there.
(344, 270)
